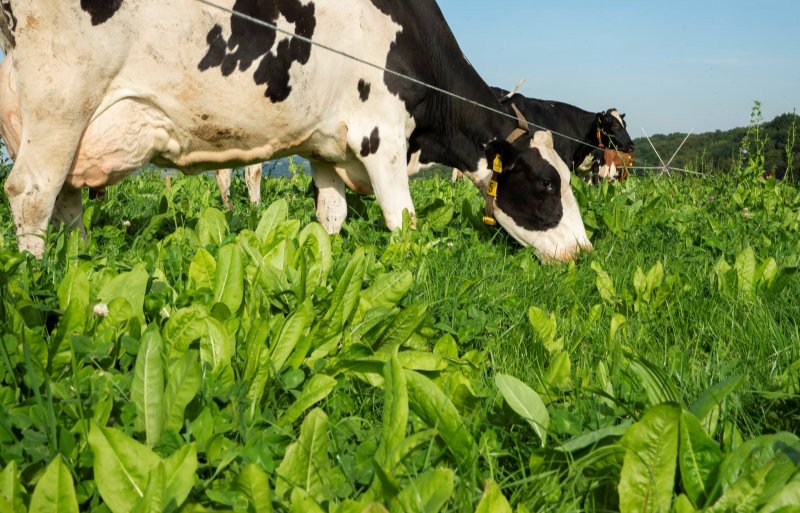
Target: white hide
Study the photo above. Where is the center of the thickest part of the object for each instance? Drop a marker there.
(132, 93)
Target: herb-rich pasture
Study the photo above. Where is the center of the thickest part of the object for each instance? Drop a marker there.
(189, 359)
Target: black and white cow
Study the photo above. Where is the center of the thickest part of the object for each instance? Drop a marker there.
(188, 86)
(602, 129)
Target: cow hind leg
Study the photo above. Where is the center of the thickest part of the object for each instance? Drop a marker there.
(224, 184)
(329, 198)
(252, 176)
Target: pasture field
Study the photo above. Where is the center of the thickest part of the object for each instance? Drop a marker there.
(189, 359)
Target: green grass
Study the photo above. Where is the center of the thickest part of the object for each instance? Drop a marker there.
(698, 324)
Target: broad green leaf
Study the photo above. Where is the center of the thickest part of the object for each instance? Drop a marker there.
(315, 390)
(74, 288)
(121, 467)
(657, 384)
(55, 491)
(395, 409)
(493, 500)
(647, 481)
(347, 291)
(275, 214)
(437, 411)
(786, 501)
(707, 407)
(655, 277)
(305, 464)
(741, 463)
(427, 493)
(322, 250)
(216, 345)
(212, 227)
(698, 458)
(440, 217)
(387, 290)
(293, 328)
(745, 494)
(526, 403)
(592, 438)
(202, 270)
(605, 285)
(180, 475)
(130, 286)
(746, 271)
(421, 361)
(253, 482)
(183, 383)
(402, 327)
(153, 499)
(11, 489)
(184, 327)
(545, 327)
(302, 502)
(147, 389)
(618, 321)
(559, 373)
(229, 278)
(257, 368)
(683, 505)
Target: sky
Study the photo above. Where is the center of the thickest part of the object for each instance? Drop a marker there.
(670, 65)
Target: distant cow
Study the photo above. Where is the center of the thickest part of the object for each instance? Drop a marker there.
(187, 86)
(602, 129)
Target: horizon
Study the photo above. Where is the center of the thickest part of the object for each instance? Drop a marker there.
(707, 79)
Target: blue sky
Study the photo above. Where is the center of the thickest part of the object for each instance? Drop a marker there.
(672, 65)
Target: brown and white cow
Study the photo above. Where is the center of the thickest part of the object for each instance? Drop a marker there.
(184, 85)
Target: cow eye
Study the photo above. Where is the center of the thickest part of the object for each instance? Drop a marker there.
(547, 184)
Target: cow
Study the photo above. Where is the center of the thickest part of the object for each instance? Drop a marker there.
(192, 87)
(585, 130)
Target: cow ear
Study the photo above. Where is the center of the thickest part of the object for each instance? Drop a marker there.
(622, 116)
(504, 149)
(599, 119)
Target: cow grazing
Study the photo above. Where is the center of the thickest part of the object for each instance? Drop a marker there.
(252, 177)
(188, 86)
(602, 129)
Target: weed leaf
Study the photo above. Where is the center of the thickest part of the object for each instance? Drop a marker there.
(526, 403)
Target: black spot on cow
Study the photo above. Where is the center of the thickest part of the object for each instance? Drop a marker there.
(101, 10)
(363, 90)
(371, 144)
(249, 42)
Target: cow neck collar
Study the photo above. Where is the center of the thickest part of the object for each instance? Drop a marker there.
(497, 168)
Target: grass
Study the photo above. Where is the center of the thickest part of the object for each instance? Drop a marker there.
(697, 325)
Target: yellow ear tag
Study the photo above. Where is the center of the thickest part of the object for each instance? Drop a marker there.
(497, 166)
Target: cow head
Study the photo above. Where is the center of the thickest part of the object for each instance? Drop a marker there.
(612, 131)
(535, 204)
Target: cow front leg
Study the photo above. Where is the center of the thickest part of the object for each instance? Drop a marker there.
(329, 198)
(224, 183)
(252, 176)
(385, 162)
(68, 210)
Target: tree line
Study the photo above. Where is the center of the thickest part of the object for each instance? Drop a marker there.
(722, 151)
